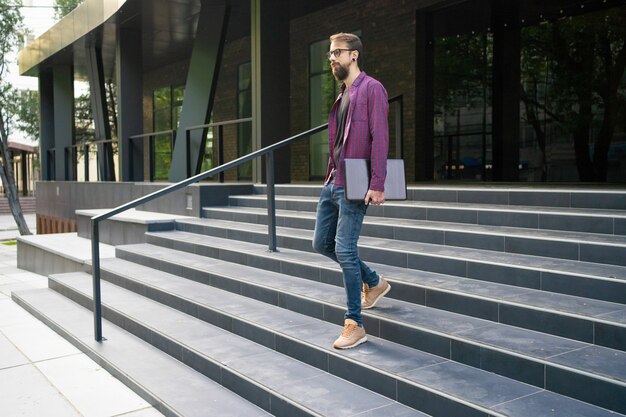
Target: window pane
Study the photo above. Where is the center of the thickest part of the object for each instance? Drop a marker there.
(572, 128)
(462, 120)
(244, 104)
(162, 98)
(245, 77)
(162, 157)
(244, 130)
(317, 57)
(177, 95)
(162, 120)
(324, 91)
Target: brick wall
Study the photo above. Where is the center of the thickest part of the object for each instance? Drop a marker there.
(236, 52)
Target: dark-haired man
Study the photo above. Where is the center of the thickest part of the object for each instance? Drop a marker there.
(357, 128)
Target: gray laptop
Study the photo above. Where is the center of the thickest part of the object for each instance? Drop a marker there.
(358, 179)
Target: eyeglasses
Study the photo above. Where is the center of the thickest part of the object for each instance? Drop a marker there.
(336, 52)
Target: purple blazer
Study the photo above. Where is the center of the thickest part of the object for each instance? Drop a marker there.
(366, 135)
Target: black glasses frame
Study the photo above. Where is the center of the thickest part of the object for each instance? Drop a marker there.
(337, 52)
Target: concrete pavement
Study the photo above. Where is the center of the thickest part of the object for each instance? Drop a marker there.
(41, 374)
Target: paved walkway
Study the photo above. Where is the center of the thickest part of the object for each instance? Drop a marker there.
(41, 374)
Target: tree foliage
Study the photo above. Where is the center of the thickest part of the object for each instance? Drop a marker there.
(63, 7)
(27, 113)
(11, 30)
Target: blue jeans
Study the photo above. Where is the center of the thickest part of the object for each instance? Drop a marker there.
(337, 229)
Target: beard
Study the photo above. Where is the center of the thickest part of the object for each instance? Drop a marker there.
(340, 72)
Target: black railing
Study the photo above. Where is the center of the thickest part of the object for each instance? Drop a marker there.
(51, 166)
(268, 152)
(72, 157)
(453, 166)
(151, 148)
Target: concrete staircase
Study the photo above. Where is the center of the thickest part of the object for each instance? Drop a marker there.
(29, 205)
(505, 302)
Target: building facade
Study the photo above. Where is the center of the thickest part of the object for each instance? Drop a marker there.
(482, 90)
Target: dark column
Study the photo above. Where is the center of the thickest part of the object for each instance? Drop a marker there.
(506, 90)
(24, 171)
(270, 91)
(129, 76)
(46, 125)
(200, 87)
(63, 82)
(100, 112)
(424, 98)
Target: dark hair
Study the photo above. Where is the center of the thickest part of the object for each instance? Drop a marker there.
(352, 40)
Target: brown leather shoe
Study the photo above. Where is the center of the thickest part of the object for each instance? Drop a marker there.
(370, 296)
(352, 335)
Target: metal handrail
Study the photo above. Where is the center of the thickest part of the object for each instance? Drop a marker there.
(271, 203)
(146, 135)
(271, 209)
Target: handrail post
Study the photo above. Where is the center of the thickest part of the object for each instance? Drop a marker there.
(95, 272)
(187, 152)
(152, 156)
(86, 161)
(271, 201)
(220, 150)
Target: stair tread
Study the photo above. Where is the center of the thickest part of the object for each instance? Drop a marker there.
(325, 394)
(579, 268)
(537, 345)
(502, 293)
(566, 211)
(505, 231)
(138, 360)
(490, 390)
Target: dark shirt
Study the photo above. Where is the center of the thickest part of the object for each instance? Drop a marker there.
(342, 116)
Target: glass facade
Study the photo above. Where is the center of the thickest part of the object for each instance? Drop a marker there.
(573, 98)
(491, 91)
(244, 110)
(167, 103)
(462, 106)
(572, 92)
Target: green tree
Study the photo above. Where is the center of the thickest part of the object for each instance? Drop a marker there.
(63, 7)
(10, 28)
(28, 113)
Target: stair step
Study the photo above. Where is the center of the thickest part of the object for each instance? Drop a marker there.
(528, 356)
(594, 220)
(273, 381)
(584, 319)
(152, 374)
(593, 280)
(590, 247)
(416, 375)
(521, 195)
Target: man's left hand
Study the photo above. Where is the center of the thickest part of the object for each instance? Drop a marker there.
(375, 197)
